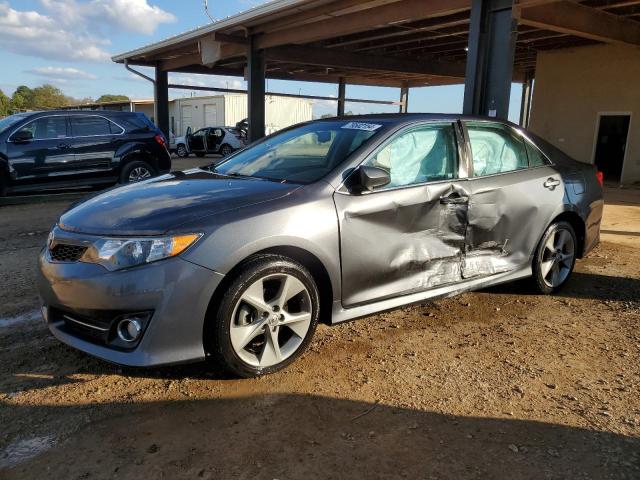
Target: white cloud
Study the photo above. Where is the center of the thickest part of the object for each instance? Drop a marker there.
(61, 73)
(135, 16)
(74, 30)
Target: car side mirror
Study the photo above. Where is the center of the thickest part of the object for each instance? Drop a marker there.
(22, 136)
(368, 178)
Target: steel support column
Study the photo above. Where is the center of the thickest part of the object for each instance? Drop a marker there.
(342, 91)
(161, 101)
(492, 43)
(404, 97)
(256, 89)
(525, 103)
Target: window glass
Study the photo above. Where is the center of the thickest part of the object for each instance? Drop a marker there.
(495, 149)
(47, 128)
(425, 154)
(92, 125)
(301, 154)
(536, 158)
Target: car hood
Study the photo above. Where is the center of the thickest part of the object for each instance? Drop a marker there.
(164, 203)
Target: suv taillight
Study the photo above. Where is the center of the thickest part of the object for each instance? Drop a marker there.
(161, 140)
(600, 177)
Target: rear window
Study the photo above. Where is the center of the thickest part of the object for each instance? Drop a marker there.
(92, 126)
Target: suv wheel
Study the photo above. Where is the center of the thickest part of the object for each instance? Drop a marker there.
(182, 151)
(136, 171)
(266, 318)
(226, 150)
(555, 258)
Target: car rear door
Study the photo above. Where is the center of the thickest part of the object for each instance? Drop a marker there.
(514, 193)
(46, 156)
(407, 236)
(95, 141)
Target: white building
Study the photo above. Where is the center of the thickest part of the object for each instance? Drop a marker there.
(214, 110)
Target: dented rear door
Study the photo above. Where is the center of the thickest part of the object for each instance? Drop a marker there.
(510, 201)
(410, 235)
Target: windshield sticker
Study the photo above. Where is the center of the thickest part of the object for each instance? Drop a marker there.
(367, 127)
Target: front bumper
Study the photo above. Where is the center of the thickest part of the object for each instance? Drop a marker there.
(176, 293)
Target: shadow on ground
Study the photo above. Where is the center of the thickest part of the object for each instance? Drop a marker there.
(290, 437)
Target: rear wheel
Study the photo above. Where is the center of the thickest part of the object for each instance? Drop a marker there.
(182, 151)
(266, 318)
(555, 257)
(136, 171)
(226, 150)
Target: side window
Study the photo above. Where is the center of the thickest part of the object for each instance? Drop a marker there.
(495, 149)
(47, 128)
(536, 158)
(92, 125)
(424, 154)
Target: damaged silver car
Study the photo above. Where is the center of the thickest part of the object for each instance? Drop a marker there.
(323, 222)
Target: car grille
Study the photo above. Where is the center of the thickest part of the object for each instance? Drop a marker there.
(67, 253)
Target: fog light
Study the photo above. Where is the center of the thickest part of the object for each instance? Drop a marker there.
(45, 313)
(129, 329)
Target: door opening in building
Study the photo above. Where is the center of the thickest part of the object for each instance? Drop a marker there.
(611, 145)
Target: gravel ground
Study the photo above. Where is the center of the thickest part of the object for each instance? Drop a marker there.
(501, 383)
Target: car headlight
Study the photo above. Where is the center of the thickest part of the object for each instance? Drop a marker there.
(117, 253)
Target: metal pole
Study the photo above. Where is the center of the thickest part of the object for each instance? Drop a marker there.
(256, 88)
(491, 51)
(341, 96)
(404, 97)
(161, 101)
(525, 104)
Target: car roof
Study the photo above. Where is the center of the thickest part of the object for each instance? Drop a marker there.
(403, 118)
(80, 112)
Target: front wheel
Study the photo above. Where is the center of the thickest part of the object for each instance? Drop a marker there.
(182, 151)
(555, 258)
(266, 318)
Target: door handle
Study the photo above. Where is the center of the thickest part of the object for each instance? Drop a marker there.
(551, 183)
(454, 199)
(63, 146)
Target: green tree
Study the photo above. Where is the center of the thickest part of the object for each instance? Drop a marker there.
(112, 98)
(47, 97)
(5, 105)
(21, 98)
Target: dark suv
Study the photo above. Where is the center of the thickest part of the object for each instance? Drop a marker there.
(61, 149)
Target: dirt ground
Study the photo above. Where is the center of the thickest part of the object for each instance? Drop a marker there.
(501, 383)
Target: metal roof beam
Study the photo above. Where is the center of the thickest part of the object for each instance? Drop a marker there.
(580, 21)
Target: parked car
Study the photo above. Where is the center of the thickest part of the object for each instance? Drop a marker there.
(60, 149)
(326, 221)
(217, 140)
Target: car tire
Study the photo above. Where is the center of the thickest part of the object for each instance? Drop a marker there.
(200, 154)
(226, 150)
(136, 171)
(182, 151)
(555, 258)
(265, 319)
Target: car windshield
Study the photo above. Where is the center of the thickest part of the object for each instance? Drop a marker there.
(7, 122)
(303, 154)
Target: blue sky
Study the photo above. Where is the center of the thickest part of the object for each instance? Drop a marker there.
(68, 43)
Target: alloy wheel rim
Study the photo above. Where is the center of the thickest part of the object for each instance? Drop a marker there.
(181, 150)
(557, 257)
(226, 150)
(138, 174)
(271, 320)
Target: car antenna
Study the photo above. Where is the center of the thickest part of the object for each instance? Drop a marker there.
(206, 10)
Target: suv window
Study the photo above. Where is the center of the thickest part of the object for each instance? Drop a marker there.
(92, 125)
(47, 127)
(424, 154)
(495, 149)
(536, 157)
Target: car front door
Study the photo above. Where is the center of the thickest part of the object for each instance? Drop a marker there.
(95, 142)
(198, 141)
(409, 235)
(40, 150)
(514, 193)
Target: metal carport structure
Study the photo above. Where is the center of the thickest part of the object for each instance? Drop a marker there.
(485, 44)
